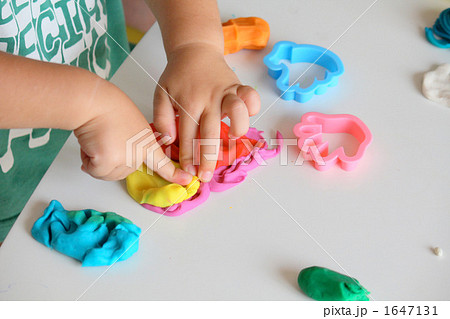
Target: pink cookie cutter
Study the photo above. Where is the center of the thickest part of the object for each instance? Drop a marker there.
(309, 132)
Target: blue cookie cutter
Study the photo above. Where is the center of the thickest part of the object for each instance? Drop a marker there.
(295, 53)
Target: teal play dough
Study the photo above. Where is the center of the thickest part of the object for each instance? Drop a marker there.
(92, 237)
(327, 285)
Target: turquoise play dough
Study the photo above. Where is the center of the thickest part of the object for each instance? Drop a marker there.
(439, 34)
(92, 237)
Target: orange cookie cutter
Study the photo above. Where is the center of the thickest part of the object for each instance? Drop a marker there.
(245, 33)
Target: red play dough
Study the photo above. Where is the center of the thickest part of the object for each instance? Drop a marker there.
(229, 151)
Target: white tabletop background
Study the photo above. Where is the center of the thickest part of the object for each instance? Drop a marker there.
(378, 222)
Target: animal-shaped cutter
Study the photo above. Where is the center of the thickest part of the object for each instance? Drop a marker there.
(308, 53)
(310, 129)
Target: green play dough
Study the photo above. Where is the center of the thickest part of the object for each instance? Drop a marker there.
(327, 285)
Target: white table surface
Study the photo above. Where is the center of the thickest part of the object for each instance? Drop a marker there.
(378, 222)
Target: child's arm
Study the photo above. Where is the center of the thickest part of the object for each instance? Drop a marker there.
(37, 94)
(204, 89)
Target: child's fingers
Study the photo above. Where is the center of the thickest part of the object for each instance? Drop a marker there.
(84, 160)
(237, 111)
(164, 114)
(250, 97)
(187, 134)
(94, 165)
(158, 162)
(164, 167)
(209, 147)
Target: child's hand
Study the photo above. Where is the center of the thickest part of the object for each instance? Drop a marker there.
(204, 90)
(64, 97)
(114, 120)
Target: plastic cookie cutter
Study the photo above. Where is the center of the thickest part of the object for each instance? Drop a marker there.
(296, 53)
(441, 29)
(310, 129)
(245, 33)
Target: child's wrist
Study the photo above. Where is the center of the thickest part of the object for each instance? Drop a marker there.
(101, 98)
(201, 46)
(91, 98)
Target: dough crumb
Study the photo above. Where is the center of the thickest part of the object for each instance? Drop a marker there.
(438, 251)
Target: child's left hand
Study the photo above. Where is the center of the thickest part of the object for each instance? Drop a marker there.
(203, 89)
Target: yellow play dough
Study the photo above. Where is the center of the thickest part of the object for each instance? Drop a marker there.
(134, 35)
(156, 191)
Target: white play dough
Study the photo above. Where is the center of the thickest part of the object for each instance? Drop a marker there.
(438, 251)
(436, 84)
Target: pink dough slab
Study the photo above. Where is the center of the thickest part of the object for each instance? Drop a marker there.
(310, 129)
(226, 177)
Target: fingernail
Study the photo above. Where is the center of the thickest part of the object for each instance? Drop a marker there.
(186, 177)
(166, 138)
(205, 176)
(191, 170)
(232, 137)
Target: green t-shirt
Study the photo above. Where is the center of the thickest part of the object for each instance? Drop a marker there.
(89, 34)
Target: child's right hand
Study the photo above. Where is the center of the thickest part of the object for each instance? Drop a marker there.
(113, 120)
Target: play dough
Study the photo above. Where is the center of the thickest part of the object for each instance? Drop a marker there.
(439, 34)
(436, 85)
(229, 150)
(188, 204)
(326, 285)
(229, 176)
(438, 251)
(92, 237)
(154, 190)
(236, 158)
